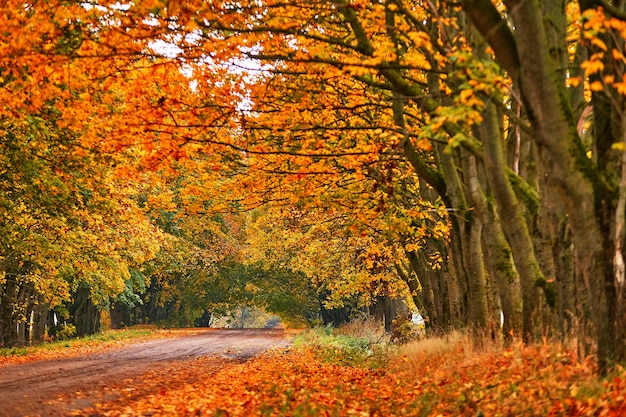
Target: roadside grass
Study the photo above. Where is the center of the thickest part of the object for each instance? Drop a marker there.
(357, 345)
(102, 341)
(457, 375)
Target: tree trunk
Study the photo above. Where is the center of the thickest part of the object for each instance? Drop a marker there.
(8, 322)
(513, 222)
(500, 265)
(474, 256)
(424, 273)
(407, 274)
(570, 174)
(84, 314)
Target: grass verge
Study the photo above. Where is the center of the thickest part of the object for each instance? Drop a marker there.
(345, 347)
(102, 341)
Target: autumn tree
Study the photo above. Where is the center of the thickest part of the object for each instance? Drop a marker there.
(503, 119)
(487, 88)
(72, 226)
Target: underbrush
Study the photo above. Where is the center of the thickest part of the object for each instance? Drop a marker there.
(355, 345)
(458, 375)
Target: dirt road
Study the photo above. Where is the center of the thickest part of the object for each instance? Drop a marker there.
(31, 388)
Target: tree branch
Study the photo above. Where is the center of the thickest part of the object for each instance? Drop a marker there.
(494, 29)
(612, 10)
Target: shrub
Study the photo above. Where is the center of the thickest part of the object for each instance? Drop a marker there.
(344, 349)
(67, 331)
(404, 331)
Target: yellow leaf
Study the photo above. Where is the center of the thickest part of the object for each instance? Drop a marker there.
(618, 56)
(573, 81)
(596, 86)
(599, 43)
(424, 144)
(619, 146)
(465, 95)
(591, 67)
(620, 87)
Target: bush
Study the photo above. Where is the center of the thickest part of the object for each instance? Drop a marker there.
(67, 331)
(365, 328)
(344, 349)
(404, 331)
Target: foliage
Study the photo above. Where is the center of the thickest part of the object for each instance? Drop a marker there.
(469, 154)
(245, 318)
(331, 346)
(67, 331)
(404, 331)
(354, 266)
(134, 286)
(289, 295)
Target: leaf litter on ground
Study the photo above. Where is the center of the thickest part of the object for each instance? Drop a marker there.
(544, 379)
(438, 377)
(107, 340)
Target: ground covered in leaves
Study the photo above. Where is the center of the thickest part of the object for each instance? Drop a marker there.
(75, 380)
(441, 377)
(446, 377)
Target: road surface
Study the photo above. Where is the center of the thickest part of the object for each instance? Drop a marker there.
(29, 389)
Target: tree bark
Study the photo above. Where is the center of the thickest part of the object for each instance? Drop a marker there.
(425, 275)
(513, 222)
(568, 172)
(474, 256)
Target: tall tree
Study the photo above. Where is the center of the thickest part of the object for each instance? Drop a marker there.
(506, 119)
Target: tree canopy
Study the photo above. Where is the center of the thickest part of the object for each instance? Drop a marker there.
(469, 154)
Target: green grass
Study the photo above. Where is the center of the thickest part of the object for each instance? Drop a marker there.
(102, 337)
(16, 351)
(333, 346)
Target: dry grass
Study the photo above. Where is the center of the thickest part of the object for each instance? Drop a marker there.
(368, 329)
(430, 353)
(435, 345)
(457, 375)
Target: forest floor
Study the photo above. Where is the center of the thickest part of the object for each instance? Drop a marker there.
(262, 373)
(51, 387)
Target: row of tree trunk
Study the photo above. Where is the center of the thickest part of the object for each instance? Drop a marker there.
(26, 319)
(536, 212)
